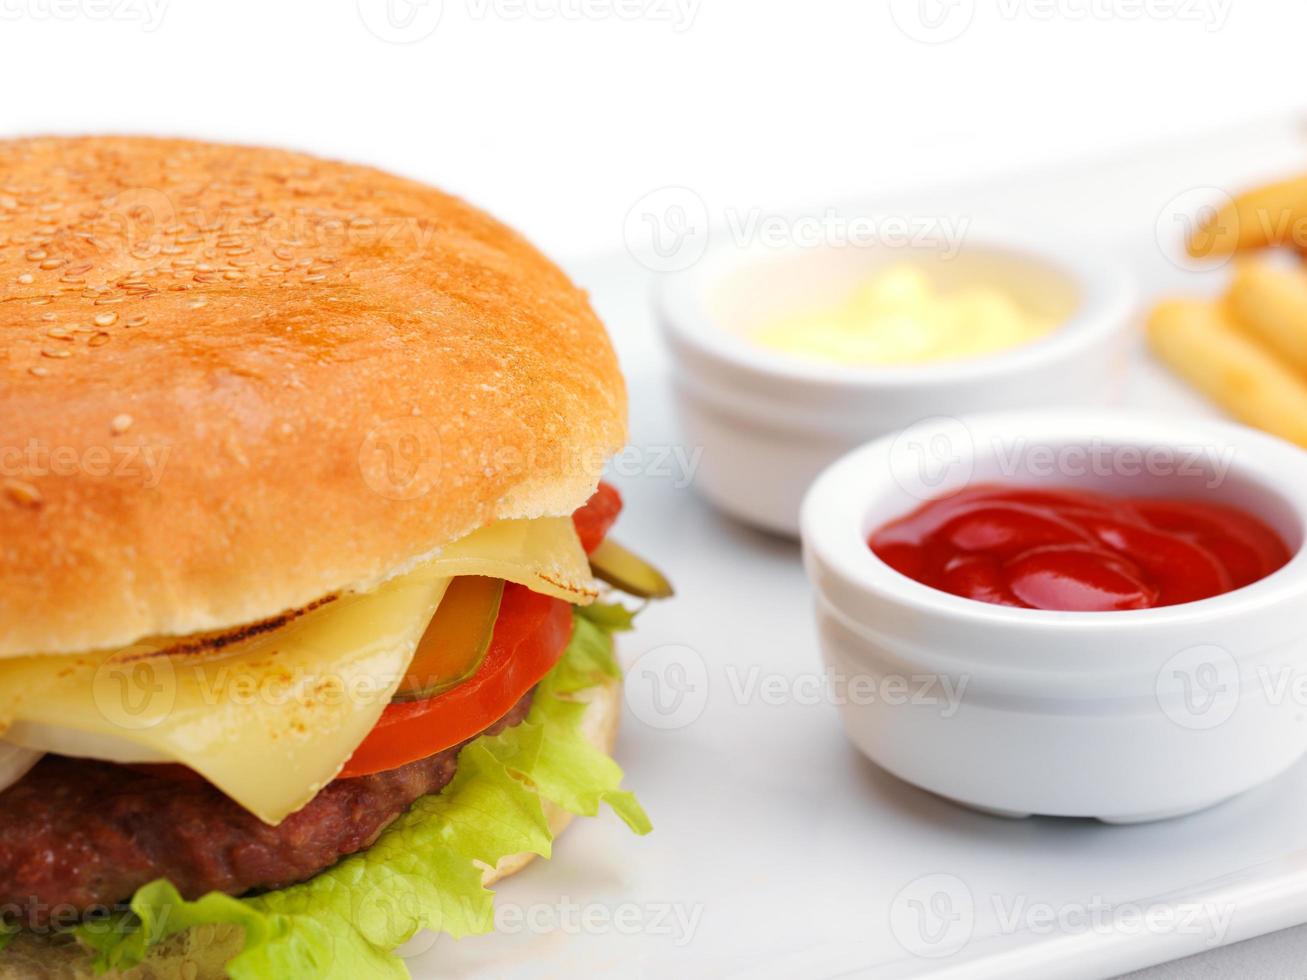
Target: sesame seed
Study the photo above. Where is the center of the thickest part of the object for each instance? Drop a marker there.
(120, 424)
(22, 492)
(137, 321)
(106, 319)
(99, 339)
(26, 279)
(50, 352)
(38, 371)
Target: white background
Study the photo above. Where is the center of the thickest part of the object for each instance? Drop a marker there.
(561, 115)
(558, 115)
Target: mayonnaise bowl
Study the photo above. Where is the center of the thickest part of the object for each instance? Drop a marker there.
(1125, 715)
(768, 422)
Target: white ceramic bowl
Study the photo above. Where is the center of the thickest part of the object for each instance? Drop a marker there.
(769, 423)
(1123, 716)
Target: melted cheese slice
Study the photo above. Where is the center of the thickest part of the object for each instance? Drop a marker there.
(272, 717)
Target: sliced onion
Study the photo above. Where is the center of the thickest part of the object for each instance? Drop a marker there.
(15, 763)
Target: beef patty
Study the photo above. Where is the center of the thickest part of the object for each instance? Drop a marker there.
(77, 834)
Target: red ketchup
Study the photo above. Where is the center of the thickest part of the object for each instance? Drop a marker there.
(1075, 550)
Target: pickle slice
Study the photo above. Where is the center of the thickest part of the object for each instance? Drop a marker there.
(623, 570)
(456, 639)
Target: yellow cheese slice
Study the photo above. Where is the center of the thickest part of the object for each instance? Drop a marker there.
(270, 718)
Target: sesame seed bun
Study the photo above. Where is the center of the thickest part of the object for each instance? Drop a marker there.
(201, 953)
(236, 380)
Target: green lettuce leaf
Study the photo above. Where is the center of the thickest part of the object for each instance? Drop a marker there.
(611, 616)
(424, 872)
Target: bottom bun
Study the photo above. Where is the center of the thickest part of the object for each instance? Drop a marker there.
(203, 952)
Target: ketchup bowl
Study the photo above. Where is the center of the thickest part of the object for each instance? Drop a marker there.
(1124, 714)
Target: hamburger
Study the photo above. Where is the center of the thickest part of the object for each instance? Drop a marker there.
(306, 590)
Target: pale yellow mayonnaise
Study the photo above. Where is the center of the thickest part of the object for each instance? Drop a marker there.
(900, 317)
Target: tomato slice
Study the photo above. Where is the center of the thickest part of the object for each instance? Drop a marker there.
(530, 635)
(596, 516)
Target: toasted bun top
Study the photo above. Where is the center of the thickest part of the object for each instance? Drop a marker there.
(235, 380)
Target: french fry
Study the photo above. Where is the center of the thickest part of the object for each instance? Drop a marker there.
(1270, 302)
(1275, 214)
(1200, 341)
